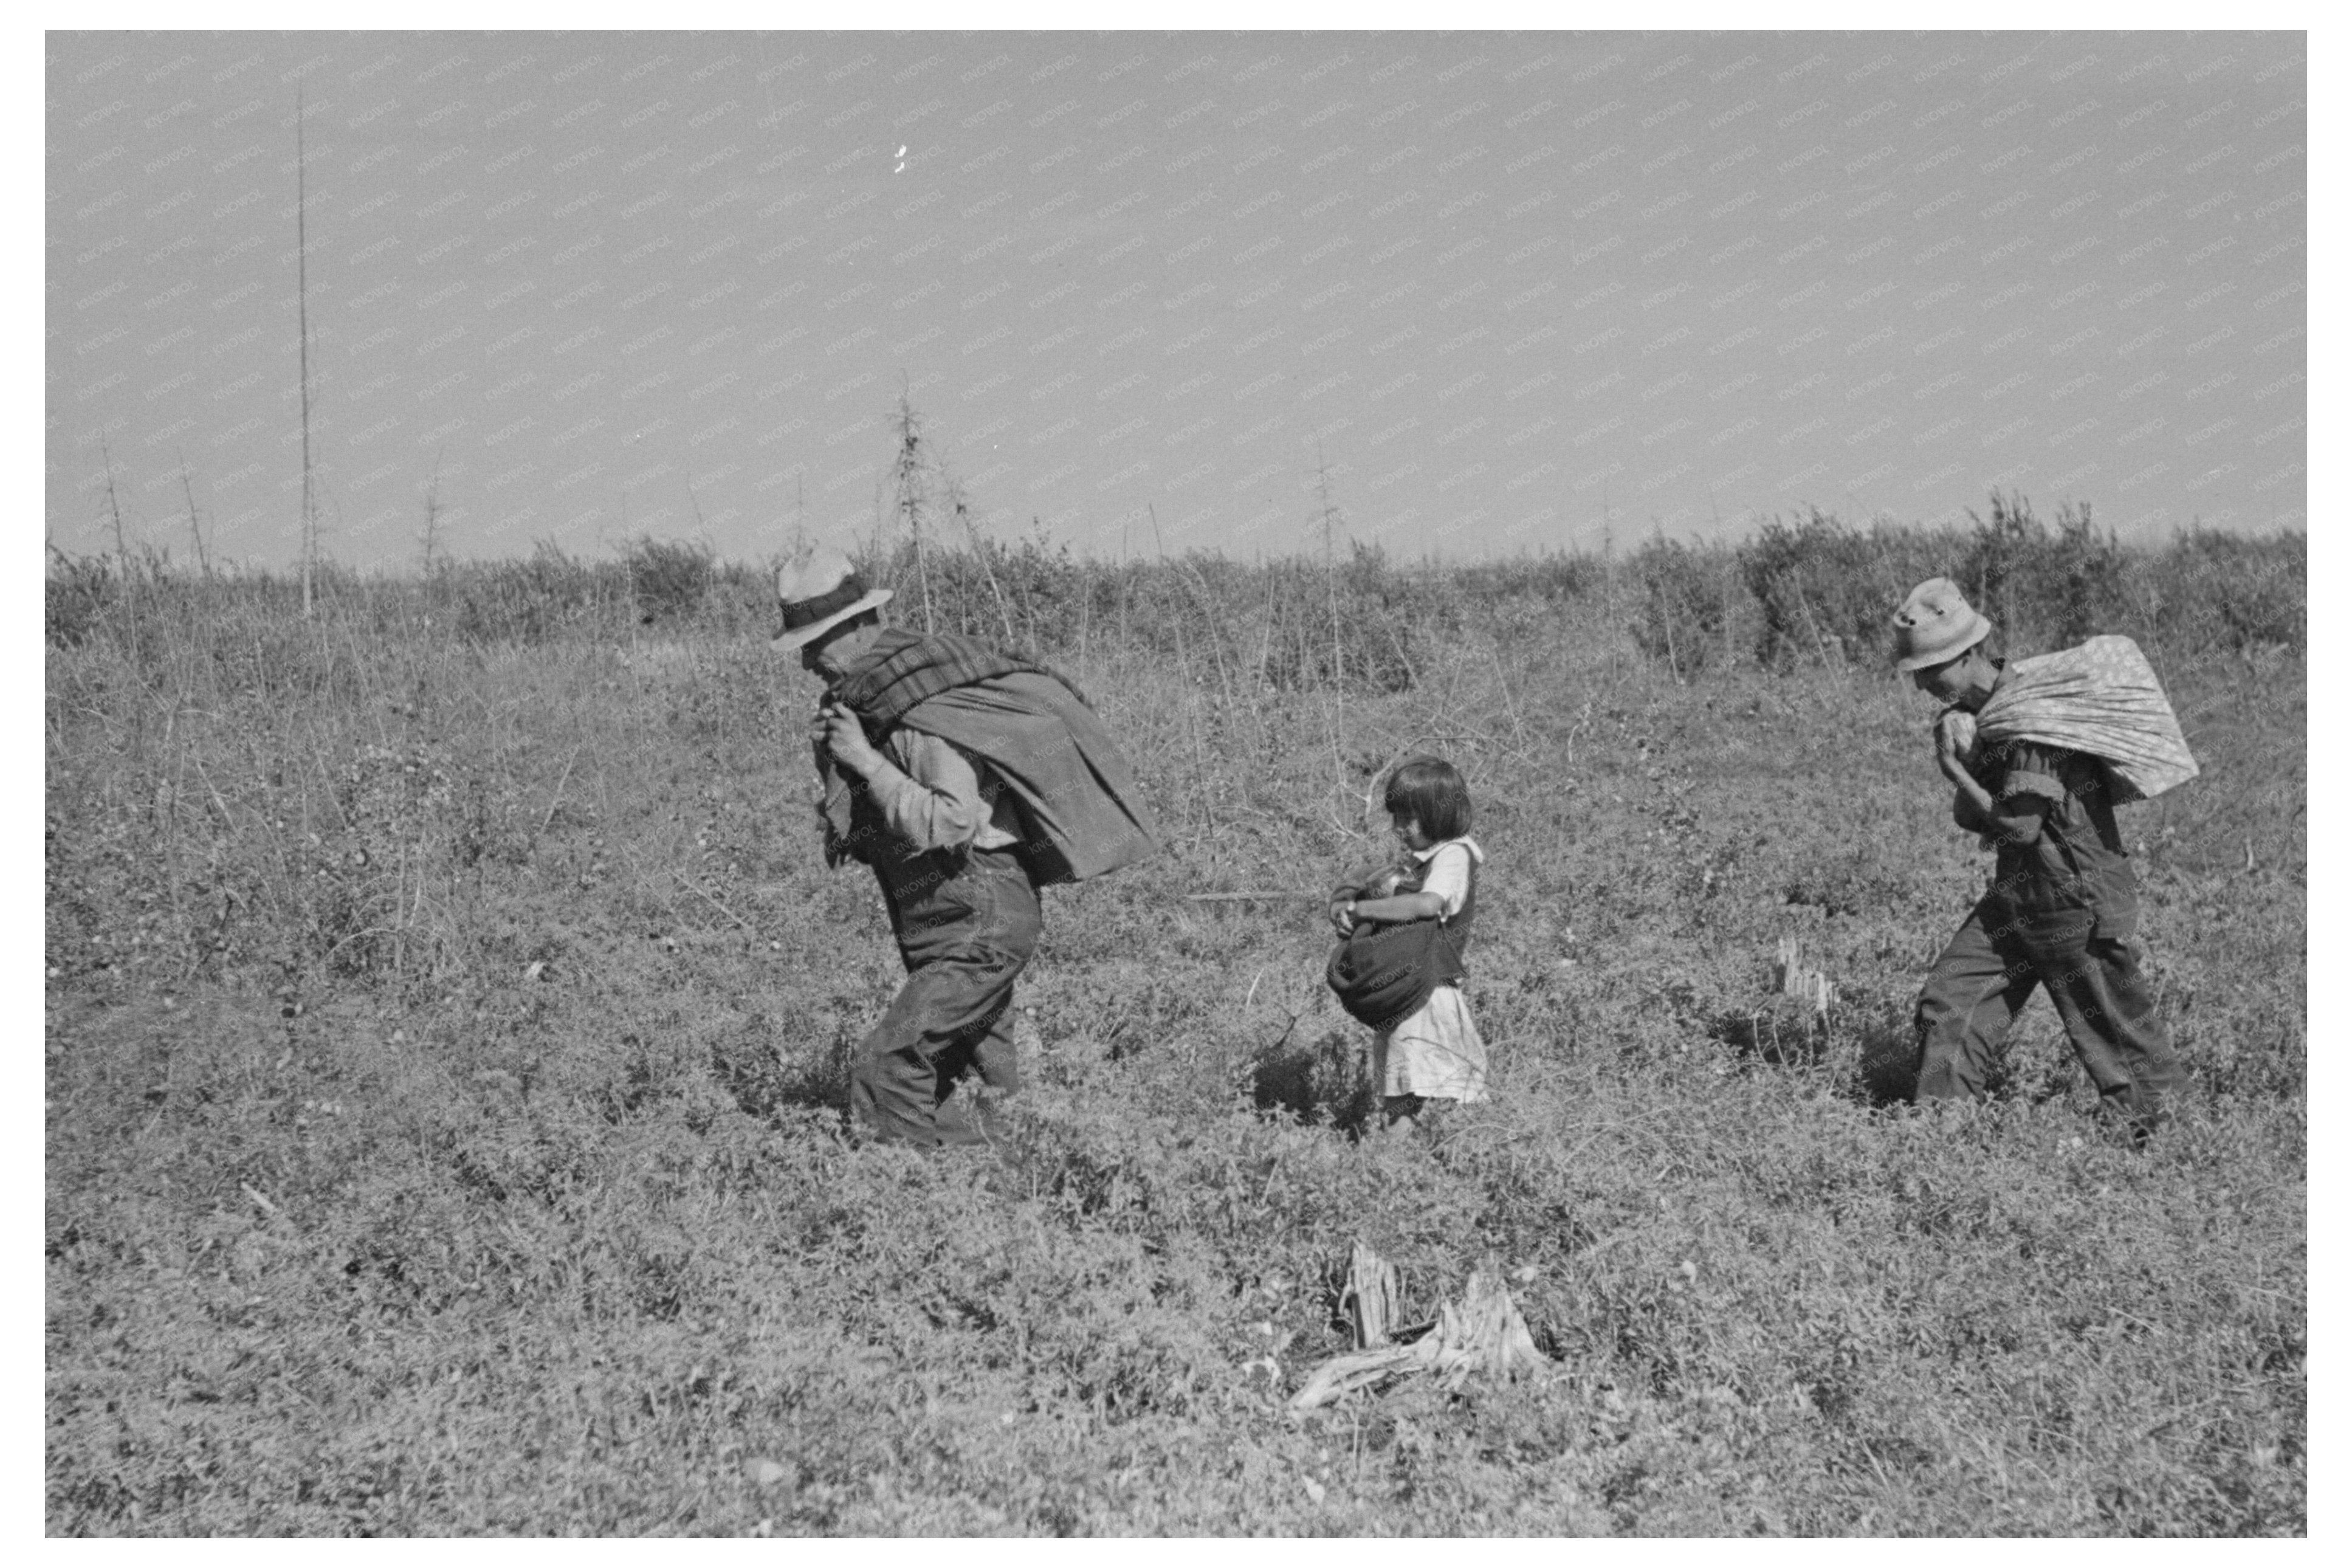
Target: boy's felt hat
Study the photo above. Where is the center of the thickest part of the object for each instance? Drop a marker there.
(817, 594)
(1936, 625)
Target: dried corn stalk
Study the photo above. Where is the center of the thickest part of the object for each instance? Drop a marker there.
(1484, 1333)
(1811, 986)
(1373, 1299)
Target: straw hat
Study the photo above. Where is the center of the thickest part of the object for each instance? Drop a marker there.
(1936, 625)
(817, 594)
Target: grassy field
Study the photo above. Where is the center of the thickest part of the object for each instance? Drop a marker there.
(444, 1041)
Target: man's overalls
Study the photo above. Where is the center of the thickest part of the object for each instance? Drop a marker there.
(967, 921)
(2060, 914)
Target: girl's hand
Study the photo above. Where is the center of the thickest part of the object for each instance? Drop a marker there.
(1343, 917)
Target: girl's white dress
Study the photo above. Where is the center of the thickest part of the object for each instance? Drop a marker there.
(1436, 1052)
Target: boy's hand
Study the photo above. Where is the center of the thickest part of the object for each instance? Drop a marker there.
(1955, 737)
(1343, 917)
(1947, 747)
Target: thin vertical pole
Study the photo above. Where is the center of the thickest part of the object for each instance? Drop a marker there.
(114, 508)
(302, 323)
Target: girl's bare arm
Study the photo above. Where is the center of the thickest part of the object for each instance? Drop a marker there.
(1398, 907)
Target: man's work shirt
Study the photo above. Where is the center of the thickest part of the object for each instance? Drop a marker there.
(942, 801)
(2078, 861)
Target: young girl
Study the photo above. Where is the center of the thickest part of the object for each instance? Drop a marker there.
(1434, 1051)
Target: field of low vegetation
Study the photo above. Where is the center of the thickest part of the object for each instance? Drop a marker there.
(447, 1005)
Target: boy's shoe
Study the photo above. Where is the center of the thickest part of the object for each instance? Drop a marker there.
(974, 1115)
(2139, 1127)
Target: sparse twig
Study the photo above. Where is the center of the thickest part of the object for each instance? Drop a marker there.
(432, 510)
(1249, 897)
(556, 798)
(906, 472)
(697, 888)
(188, 489)
(962, 511)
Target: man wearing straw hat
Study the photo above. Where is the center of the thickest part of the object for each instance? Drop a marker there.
(2063, 904)
(965, 778)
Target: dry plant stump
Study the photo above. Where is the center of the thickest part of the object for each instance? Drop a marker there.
(1482, 1333)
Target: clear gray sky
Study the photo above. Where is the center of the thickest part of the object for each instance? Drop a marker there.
(1500, 286)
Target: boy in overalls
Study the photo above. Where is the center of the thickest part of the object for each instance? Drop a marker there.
(2062, 906)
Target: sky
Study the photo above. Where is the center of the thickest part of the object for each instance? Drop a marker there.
(1487, 292)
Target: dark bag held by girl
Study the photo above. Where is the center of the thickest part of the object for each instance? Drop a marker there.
(1383, 974)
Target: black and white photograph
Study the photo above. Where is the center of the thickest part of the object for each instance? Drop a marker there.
(1258, 779)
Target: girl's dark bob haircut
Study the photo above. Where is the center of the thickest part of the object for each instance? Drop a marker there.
(1430, 791)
